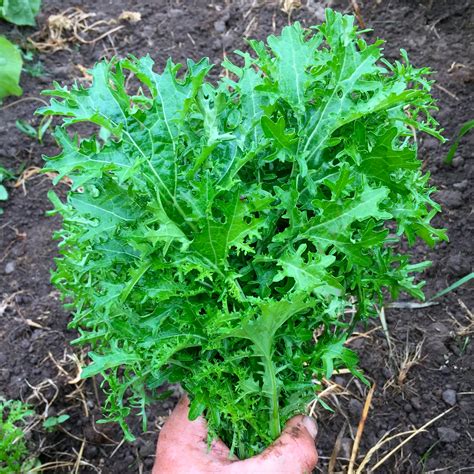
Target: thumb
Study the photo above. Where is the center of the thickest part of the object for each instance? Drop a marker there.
(297, 440)
(299, 424)
(294, 452)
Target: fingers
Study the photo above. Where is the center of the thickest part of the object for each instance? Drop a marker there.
(180, 426)
(183, 441)
(194, 431)
(294, 452)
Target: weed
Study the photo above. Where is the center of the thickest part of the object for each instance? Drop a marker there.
(14, 454)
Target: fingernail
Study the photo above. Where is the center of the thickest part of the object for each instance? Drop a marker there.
(310, 424)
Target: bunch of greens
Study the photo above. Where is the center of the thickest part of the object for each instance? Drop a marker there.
(14, 454)
(20, 12)
(229, 236)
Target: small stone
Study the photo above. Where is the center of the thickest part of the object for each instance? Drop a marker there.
(10, 267)
(219, 26)
(448, 435)
(407, 407)
(458, 161)
(450, 397)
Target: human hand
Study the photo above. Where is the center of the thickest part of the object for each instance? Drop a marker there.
(182, 448)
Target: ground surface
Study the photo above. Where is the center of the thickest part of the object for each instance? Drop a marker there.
(36, 363)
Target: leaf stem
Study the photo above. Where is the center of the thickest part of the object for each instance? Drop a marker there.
(274, 421)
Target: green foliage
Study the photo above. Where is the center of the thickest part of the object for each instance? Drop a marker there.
(32, 67)
(10, 69)
(464, 129)
(31, 131)
(4, 175)
(452, 287)
(229, 236)
(20, 12)
(53, 421)
(14, 455)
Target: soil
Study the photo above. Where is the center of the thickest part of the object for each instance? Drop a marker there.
(38, 365)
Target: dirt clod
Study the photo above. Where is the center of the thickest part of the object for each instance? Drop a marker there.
(451, 199)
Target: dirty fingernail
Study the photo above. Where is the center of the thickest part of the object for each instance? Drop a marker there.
(310, 424)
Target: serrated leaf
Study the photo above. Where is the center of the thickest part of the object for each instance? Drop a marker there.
(336, 217)
(100, 363)
(310, 275)
(232, 230)
(293, 56)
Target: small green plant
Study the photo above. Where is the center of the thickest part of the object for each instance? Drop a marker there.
(10, 69)
(20, 12)
(14, 454)
(32, 67)
(4, 175)
(32, 132)
(230, 236)
(463, 130)
(53, 421)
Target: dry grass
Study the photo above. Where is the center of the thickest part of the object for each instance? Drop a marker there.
(72, 26)
(386, 438)
(360, 430)
(289, 5)
(465, 329)
(33, 172)
(401, 362)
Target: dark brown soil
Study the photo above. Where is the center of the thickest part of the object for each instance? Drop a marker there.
(36, 362)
